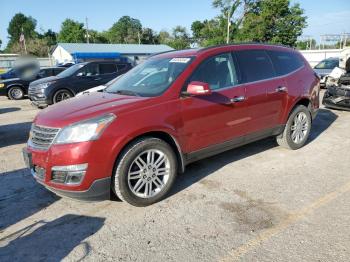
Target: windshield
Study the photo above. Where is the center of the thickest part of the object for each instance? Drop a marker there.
(150, 78)
(70, 71)
(327, 64)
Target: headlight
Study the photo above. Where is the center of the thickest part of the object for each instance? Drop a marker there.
(2, 85)
(44, 85)
(83, 131)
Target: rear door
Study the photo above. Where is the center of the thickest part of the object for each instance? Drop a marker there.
(107, 71)
(215, 119)
(286, 64)
(263, 99)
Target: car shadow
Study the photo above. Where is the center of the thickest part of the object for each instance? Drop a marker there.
(14, 134)
(21, 196)
(51, 240)
(321, 123)
(198, 170)
(9, 110)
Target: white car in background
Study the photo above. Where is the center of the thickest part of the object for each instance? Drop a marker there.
(99, 88)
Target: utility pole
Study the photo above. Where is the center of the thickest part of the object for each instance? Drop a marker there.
(87, 35)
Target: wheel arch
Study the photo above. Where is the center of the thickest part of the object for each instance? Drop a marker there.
(305, 101)
(165, 136)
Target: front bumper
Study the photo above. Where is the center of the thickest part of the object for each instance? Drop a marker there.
(96, 184)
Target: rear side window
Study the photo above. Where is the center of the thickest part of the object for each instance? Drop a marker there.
(285, 62)
(218, 71)
(121, 67)
(107, 68)
(254, 65)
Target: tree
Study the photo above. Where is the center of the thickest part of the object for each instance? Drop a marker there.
(98, 37)
(71, 32)
(126, 30)
(0, 43)
(37, 47)
(273, 21)
(50, 37)
(228, 8)
(148, 36)
(18, 23)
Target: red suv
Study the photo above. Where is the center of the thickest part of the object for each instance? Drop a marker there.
(175, 108)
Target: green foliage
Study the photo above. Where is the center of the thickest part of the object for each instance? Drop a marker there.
(148, 36)
(71, 32)
(179, 39)
(273, 21)
(36, 46)
(304, 45)
(126, 30)
(18, 22)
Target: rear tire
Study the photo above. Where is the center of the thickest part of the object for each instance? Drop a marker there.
(61, 95)
(15, 93)
(297, 129)
(145, 172)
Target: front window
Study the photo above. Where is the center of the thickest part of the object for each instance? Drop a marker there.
(150, 78)
(70, 71)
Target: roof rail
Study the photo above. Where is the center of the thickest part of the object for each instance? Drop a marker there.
(242, 43)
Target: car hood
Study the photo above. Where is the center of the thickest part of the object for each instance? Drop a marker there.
(44, 80)
(88, 106)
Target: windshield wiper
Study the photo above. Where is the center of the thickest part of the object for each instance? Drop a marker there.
(125, 92)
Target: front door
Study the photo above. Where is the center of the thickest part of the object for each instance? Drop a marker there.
(86, 78)
(219, 117)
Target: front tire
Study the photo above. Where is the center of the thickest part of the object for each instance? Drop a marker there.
(15, 93)
(145, 172)
(297, 129)
(61, 95)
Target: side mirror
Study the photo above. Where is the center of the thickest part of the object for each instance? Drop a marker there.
(198, 88)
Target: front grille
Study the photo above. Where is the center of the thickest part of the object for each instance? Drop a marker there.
(33, 91)
(42, 137)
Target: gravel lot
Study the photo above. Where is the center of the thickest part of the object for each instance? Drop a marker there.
(256, 203)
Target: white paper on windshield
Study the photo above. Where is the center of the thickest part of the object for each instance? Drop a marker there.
(184, 60)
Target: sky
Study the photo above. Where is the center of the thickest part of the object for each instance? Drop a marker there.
(324, 16)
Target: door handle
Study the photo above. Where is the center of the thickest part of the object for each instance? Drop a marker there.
(237, 99)
(281, 89)
(96, 79)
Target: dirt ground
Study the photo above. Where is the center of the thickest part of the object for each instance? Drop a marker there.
(256, 203)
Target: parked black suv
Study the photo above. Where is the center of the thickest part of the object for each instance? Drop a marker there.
(17, 88)
(73, 80)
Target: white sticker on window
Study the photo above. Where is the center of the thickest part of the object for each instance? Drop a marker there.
(180, 60)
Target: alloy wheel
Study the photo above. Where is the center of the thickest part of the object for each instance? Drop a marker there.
(299, 128)
(148, 173)
(16, 93)
(62, 95)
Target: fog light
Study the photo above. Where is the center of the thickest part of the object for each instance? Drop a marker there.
(70, 175)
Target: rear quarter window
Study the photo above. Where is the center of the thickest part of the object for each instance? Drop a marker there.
(254, 65)
(285, 62)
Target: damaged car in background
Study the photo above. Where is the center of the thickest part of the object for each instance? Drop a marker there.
(337, 94)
